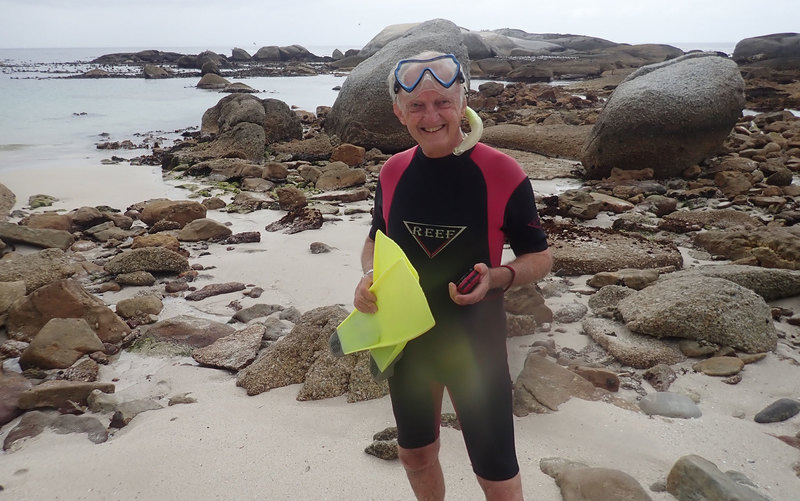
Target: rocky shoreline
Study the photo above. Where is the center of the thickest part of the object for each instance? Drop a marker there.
(664, 275)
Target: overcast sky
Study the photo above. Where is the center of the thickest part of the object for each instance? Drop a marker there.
(352, 23)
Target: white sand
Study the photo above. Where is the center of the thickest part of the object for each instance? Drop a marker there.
(270, 446)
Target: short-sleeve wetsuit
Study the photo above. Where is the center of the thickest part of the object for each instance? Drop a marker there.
(448, 214)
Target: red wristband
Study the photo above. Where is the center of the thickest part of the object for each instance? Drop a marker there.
(513, 276)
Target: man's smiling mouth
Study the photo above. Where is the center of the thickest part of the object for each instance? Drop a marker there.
(433, 129)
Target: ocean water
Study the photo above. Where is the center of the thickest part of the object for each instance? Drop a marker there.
(50, 121)
(47, 120)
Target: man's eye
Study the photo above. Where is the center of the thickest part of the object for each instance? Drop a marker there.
(444, 103)
(415, 106)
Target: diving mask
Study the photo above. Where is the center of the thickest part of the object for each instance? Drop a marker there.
(444, 69)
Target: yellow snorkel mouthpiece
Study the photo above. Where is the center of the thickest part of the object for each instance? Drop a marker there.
(476, 130)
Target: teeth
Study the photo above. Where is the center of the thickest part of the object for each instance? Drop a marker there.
(433, 129)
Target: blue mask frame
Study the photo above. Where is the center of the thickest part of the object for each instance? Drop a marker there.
(458, 75)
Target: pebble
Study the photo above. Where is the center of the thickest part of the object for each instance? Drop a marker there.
(719, 366)
(778, 411)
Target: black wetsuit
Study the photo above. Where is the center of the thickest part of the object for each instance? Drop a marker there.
(447, 214)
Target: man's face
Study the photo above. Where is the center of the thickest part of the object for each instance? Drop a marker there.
(433, 118)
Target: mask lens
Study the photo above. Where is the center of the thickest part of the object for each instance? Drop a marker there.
(444, 69)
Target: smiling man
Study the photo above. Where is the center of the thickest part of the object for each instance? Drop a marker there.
(451, 205)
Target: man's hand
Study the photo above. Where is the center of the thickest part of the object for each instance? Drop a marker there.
(478, 293)
(365, 300)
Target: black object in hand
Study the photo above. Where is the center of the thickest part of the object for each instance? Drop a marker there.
(467, 282)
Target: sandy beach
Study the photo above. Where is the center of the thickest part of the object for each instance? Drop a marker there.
(229, 445)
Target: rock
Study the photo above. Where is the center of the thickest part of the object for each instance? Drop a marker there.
(319, 248)
(287, 361)
(362, 113)
(350, 154)
(337, 176)
(256, 311)
(769, 283)
(328, 377)
(156, 240)
(633, 279)
(246, 237)
(151, 259)
(151, 71)
(664, 403)
(585, 251)
(604, 302)
(772, 247)
(34, 423)
(203, 229)
(85, 370)
(139, 306)
(599, 484)
(60, 343)
(634, 350)
(48, 221)
(136, 278)
(291, 198)
(667, 116)
(304, 218)
(126, 411)
(696, 349)
(722, 219)
(780, 46)
(234, 352)
(383, 449)
(64, 299)
(7, 201)
(181, 211)
(12, 386)
(779, 410)
(660, 376)
(9, 293)
(102, 402)
(706, 308)
(215, 290)
(600, 378)
(570, 313)
(548, 384)
(46, 238)
(693, 477)
(57, 393)
(212, 81)
(558, 140)
(188, 331)
(719, 366)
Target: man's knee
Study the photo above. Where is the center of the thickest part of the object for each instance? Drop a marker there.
(420, 458)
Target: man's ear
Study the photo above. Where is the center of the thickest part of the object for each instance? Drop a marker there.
(398, 113)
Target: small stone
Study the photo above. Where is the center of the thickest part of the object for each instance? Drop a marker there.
(719, 366)
(778, 411)
(383, 449)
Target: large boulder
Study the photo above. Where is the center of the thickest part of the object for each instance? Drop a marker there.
(774, 46)
(177, 211)
(560, 141)
(60, 343)
(362, 113)
(36, 269)
(279, 122)
(289, 360)
(704, 309)
(152, 259)
(63, 299)
(666, 116)
(39, 237)
(773, 247)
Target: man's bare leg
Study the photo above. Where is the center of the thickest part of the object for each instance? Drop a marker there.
(424, 471)
(504, 490)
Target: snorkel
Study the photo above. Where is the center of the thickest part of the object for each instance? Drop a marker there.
(475, 132)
